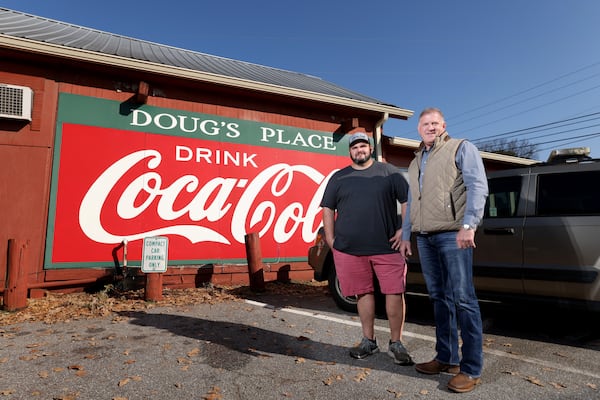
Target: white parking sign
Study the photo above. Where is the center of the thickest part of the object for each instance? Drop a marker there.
(154, 255)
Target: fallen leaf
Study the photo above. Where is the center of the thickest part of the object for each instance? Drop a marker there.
(510, 373)
(396, 394)
(361, 376)
(213, 394)
(124, 382)
(325, 362)
(193, 352)
(534, 380)
(65, 307)
(70, 396)
(558, 385)
(300, 360)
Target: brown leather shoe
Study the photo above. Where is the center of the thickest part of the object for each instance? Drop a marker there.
(463, 383)
(434, 367)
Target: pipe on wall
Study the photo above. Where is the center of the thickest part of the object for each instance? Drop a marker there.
(378, 136)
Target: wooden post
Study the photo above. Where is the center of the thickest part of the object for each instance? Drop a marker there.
(254, 257)
(154, 286)
(15, 294)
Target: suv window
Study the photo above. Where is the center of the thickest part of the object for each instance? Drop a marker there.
(503, 197)
(569, 194)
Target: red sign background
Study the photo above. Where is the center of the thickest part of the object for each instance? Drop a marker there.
(180, 185)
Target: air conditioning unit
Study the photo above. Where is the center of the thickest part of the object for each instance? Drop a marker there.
(15, 102)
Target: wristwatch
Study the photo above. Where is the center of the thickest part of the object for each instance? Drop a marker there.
(468, 227)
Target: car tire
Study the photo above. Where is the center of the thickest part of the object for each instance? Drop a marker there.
(346, 303)
(349, 303)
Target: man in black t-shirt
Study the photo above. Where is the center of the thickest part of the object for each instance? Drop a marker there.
(363, 229)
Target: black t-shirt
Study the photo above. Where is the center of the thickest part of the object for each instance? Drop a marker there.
(368, 214)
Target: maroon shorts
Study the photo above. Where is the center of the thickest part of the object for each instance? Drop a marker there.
(355, 273)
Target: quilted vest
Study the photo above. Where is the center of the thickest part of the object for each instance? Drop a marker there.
(440, 204)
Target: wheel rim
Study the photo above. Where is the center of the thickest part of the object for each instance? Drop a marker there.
(349, 299)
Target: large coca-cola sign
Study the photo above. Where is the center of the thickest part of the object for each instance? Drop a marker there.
(203, 181)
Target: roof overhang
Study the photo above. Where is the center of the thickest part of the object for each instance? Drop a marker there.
(44, 48)
(414, 144)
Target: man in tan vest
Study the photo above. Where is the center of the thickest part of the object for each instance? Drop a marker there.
(448, 190)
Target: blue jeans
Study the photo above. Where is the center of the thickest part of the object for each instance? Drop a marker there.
(448, 273)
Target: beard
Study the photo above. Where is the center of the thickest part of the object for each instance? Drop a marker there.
(361, 159)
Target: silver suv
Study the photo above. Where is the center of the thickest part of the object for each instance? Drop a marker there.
(539, 239)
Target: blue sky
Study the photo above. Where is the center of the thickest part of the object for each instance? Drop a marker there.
(496, 68)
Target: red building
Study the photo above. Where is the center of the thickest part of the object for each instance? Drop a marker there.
(106, 139)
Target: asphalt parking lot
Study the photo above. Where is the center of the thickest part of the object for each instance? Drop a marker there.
(270, 346)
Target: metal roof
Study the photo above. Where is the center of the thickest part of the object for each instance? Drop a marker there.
(38, 34)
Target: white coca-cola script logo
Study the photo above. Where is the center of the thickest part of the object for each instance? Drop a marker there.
(284, 222)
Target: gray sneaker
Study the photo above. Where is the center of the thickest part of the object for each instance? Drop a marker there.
(364, 349)
(398, 352)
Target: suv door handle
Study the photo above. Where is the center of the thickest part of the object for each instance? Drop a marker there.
(499, 231)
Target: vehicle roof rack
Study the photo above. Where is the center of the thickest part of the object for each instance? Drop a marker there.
(571, 155)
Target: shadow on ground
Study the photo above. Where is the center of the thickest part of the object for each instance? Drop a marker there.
(232, 345)
(526, 320)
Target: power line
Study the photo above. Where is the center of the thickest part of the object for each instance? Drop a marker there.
(571, 139)
(574, 122)
(527, 90)
(527, 99)
(561, 132)
(537, 128)
(535, 108)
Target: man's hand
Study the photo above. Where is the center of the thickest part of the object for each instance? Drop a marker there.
(405, 249)
(465, 238)
(328, 225)
(396, 239)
